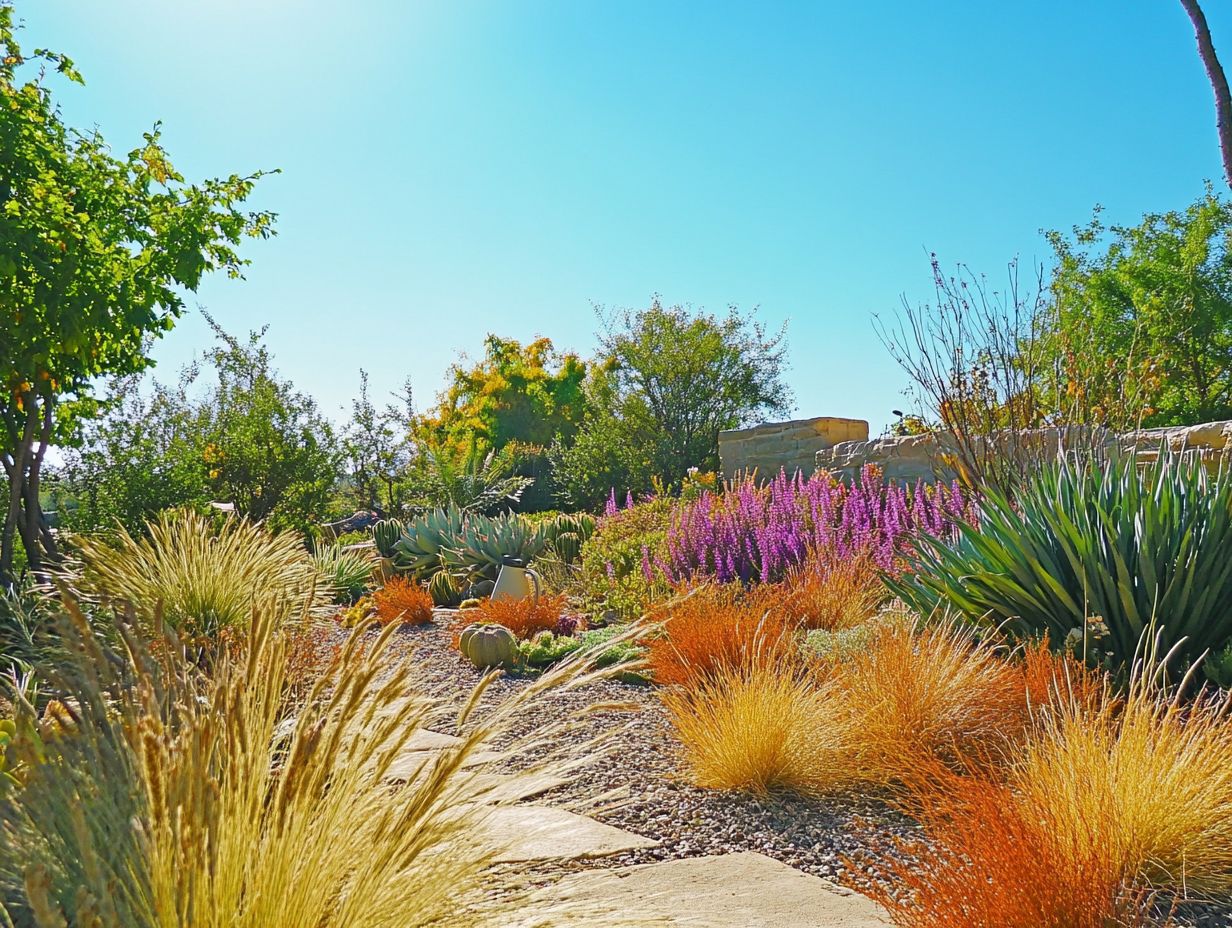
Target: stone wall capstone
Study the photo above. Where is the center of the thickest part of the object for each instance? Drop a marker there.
(921, 457)
(790, 445)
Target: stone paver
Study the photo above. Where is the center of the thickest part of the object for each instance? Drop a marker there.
(745, 890)
(528, 832)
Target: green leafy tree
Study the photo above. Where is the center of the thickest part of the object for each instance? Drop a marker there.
(530, 394)
(268, 450)
(96, 252)
(377, 447)
(668, 380)
(1157, 295)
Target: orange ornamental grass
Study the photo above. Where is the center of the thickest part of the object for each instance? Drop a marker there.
(403, 601)
(935, 694)
(523, 617)
(713, 628)
(842, 593)
(987, 860)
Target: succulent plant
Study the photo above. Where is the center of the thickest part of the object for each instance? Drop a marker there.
(483, 542)
(443, 591)
(386, 534)
(568, 547)
(489, 646)
(418, 550)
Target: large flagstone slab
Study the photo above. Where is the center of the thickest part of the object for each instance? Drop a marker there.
(529, 832)
(745, 890)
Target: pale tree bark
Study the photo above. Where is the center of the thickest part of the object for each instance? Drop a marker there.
(1219, 83)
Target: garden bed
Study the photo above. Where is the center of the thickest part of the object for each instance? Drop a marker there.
(841, 838)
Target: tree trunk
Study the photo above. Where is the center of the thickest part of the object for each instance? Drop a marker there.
(24, 515)
(1219, 83)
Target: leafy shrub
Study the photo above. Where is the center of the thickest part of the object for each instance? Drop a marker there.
(712, 629)
(759, 727)
(203, 578)
(751, 532)
(523, 617)
(344, 573)
(1130, 549)
(161, 757)
(404, 602)
(619, 571)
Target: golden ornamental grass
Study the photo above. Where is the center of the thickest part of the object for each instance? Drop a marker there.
(200, 802)
(203, 578)
(761, 726)
(1147, 780)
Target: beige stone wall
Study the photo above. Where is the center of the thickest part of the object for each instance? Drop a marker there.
(918, 457)
(791, 445)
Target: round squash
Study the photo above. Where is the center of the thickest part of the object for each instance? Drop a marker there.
(489, 645)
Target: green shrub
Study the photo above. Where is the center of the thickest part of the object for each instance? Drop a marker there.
(612, 575)
(1093, 554)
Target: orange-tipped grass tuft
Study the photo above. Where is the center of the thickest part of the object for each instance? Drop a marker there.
(403, 602)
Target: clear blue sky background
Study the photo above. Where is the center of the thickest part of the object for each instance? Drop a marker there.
(455, 168)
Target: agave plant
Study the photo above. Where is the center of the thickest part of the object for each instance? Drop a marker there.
(418, 551)
(483, 543)
(1094, 554)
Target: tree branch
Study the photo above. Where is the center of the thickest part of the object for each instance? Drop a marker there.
(1219, 83)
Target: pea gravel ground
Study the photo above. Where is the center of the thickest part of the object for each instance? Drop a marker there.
(836, 838)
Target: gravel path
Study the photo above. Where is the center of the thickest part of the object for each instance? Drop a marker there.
(822, 837)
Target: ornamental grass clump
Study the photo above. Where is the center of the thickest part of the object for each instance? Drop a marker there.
(1095, 554)
(759, 727)
(712, 629)
(523, 617)
(1147, 779)
(934, 695)
(177, 799)
(203, 578)
(986, 859)
(832, 595)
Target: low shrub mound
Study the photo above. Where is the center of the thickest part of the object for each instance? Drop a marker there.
(403, 602)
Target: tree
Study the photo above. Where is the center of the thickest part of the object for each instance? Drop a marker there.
(1156, 296)
(1219, 83)
(529, 394)
(667, 381)
(377, 446)
(268, 449)
(95, 253)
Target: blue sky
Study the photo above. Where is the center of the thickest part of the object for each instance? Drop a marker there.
(454, 168)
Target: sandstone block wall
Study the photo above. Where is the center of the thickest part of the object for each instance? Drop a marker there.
(791, 445)
(921, 457)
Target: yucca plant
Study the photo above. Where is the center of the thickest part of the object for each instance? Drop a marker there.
(202, 578)
(1093, 553)
(170, 798)
(345, 573)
